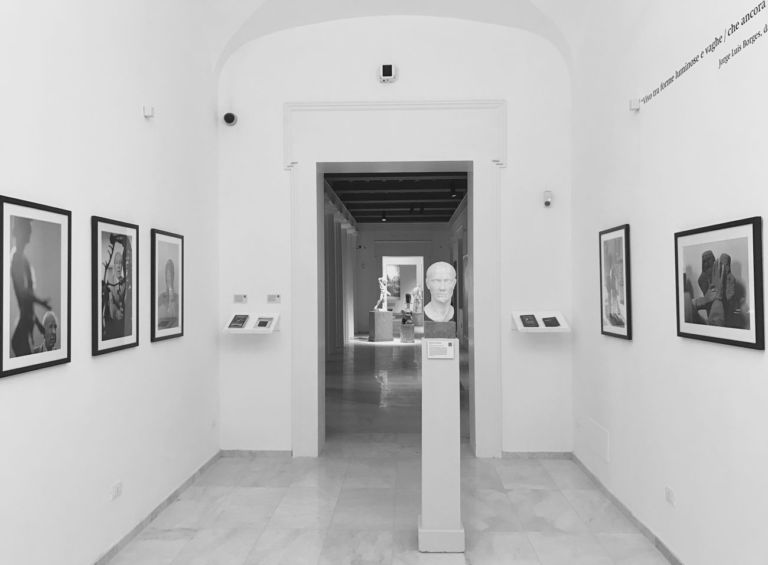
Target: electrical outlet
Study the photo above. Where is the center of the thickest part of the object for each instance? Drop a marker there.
(241, 299)
(669, 495)
(117, 490)
(273, 299)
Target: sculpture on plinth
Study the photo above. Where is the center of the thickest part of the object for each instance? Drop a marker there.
(439, 314)
(383, 293)
(418, 298)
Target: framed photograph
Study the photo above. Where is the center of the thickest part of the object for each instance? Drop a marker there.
(36, 280)
(167, 285)
(114, 276)
(719, 283)
(615, 283)
(393, 280)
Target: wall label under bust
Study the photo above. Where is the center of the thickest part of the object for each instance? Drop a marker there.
(746, 39)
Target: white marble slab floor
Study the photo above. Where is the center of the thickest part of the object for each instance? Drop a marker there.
(358, 503)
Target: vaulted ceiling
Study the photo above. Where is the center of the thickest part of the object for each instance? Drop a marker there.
(399, 197)
(236, 22)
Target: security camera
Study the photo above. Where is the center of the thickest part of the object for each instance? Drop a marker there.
(547, 198)
(230, 119)
(387, 73)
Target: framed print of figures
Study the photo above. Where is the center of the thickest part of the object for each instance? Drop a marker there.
(36, 280)
(719, 283)
(615, 283)
(167, 285)
(115, 276)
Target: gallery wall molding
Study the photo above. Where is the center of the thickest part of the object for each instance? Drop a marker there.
(498, 107)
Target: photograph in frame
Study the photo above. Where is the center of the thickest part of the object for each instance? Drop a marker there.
(615, 283)
(167, 319)
(393, 280)
(36, 280)
(115, 276)
(719, 283)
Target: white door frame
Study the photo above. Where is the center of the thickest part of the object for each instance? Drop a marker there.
(390, 132)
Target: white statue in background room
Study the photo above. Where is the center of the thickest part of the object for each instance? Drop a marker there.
(441, 280)
(418, 299)
(383, 293)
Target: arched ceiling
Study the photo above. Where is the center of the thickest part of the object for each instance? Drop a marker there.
(236, 22)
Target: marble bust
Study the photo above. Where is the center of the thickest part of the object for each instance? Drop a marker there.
(441, 280)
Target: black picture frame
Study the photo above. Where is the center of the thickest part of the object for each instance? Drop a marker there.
(167, 306)
(719, 283)
(615, 283)
(114, 285)
(35, 332)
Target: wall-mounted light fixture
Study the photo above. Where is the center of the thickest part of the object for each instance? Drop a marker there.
(383, 216)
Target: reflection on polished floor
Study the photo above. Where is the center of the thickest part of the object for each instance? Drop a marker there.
(358, 503)
(376, 388)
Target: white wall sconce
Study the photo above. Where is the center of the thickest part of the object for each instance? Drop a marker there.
(149, 112)
(548, 199)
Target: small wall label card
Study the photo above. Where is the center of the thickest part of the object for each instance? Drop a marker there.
(440, 349)
(529, 321)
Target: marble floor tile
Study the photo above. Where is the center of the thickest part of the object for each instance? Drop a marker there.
(567, 474)
(500, 548)
(406, 552)
(631, 549)
(487, 509)
(568, 549)
(224, 471)
(523, 473)
(408, 473)
(248, 506)
(407, 509)
(196, 507)
(272, 472)
(218, 547)
(375, 472)
(305, 507)
(364, 509)
(539, 510)
(599, 512)
(154, 547)
(324, 473)
(278, 546)
(349, 547)
(480, 473)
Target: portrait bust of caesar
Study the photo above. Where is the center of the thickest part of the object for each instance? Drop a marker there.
(441, 280)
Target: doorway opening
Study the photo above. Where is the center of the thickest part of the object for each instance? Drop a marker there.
(388, 221)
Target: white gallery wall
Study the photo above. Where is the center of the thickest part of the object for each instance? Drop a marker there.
(336, 62)
(75, 76)
(663, 411)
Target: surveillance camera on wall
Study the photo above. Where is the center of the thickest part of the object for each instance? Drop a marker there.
(547, 198)
(387, 73)
(230, 119)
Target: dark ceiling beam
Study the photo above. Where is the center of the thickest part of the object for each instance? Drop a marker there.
(396, 189)
(394, 177)
(452, 204)
(403, 210)
(351, 200)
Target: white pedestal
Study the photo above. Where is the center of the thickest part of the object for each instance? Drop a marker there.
(440, 527)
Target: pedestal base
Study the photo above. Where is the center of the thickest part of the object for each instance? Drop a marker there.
(439, 330)
(380, 325)
(407, 332)
(442, 541)
(440, 526)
